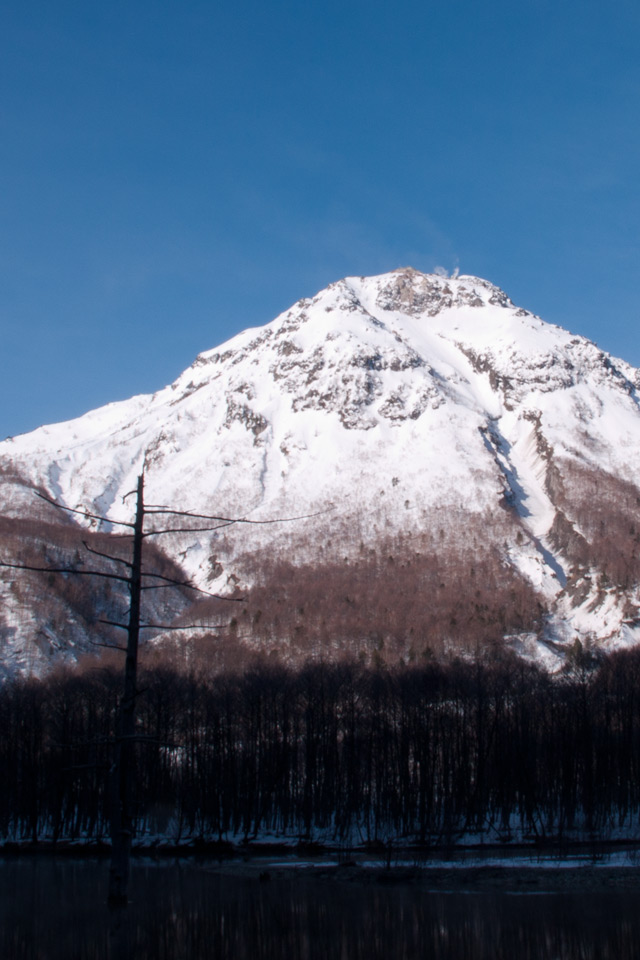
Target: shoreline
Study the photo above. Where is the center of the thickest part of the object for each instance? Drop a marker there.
(570, 868)
(194, 847)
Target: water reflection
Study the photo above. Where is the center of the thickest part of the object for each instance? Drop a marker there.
(55, 909)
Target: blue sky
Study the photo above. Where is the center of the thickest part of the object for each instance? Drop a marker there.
(175, 172)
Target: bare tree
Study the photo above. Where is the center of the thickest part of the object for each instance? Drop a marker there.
(121, 813)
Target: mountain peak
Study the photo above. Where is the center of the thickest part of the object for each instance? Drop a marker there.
(409, 291)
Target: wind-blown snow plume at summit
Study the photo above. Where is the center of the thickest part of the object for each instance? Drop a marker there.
(467, 462)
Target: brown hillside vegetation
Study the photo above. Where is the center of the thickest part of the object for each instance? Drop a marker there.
(599, 526)
(447, 590)
(412, 598)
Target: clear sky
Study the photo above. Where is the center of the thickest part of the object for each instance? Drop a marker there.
(173, 172)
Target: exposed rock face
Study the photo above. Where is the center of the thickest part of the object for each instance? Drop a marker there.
(385, 407)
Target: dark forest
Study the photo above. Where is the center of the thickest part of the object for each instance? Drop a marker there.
(342, 752)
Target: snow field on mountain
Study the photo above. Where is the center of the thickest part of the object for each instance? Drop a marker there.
(370, 409)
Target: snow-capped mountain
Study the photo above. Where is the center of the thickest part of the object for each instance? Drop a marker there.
(417, 417)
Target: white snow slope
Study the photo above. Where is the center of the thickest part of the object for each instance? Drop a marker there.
(377, 405)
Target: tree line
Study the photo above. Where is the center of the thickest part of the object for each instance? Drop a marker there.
(339, 751)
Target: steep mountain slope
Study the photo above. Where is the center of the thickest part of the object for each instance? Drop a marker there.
(406, 416)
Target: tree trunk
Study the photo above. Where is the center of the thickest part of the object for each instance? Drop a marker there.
(122, 772)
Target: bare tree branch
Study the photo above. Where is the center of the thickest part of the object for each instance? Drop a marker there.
(205, 516)
(106, 556)
(171, 581)
(219, 526)
(146, 626)
(114, 623)
(83, 513)
(158, 586)
(109, 646)
(165, 626)
(79, 573)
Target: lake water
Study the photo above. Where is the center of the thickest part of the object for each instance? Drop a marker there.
(53, 908)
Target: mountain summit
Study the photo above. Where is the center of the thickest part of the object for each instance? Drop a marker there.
(472, 465)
